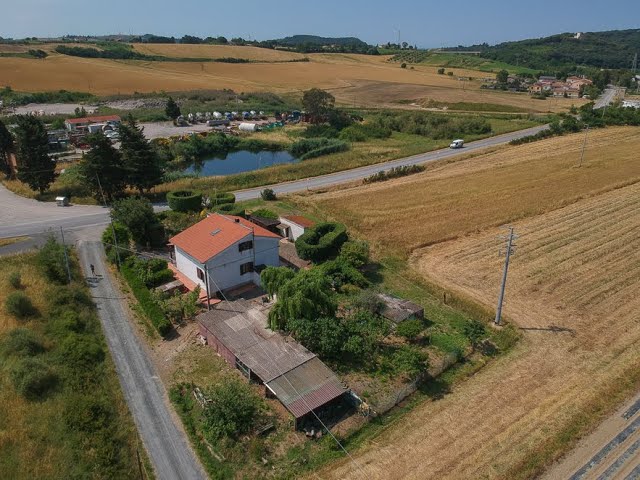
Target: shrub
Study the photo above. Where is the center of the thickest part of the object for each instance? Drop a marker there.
(231, 209)
(268, 195)
(403, 65)
(409, 361)
(441, 71)
(137, 215)
(153, 273)
(80, 353)
(19, 305)
(215, 199)
(355, 252)
(21, 342)
(394, 172)
(342, 273)
(336, 147)
(122, 239)
(265, 213)
(317, 131)
(232, 411)
(184, 200)
(15, 280)
(51, 259)
(361, 132)
(321, 242)
(33, 378)
(151, 310)
(410, 328)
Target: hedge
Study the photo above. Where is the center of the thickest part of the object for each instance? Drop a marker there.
(231, 209)
(184, 200)
(332, 148)
(220, 198)
(150, 308)
(321, 242)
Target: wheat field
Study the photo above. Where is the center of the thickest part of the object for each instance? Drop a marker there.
(573, 291)
(363, 80)
(455, 199)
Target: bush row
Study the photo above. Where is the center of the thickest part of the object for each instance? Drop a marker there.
(321, 242)
(338, 146)
(302, 147)
(185, 200)
(151, 310)
(394, 172)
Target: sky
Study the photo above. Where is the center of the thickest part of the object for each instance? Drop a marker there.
(424, 23)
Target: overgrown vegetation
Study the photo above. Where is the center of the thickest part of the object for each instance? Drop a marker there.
(394, 172)
(55, 368)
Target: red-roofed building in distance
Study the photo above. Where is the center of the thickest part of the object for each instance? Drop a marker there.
(225, 251)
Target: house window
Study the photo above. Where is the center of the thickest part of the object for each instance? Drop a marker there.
(200, 273)
(246, 268)
(245, 245)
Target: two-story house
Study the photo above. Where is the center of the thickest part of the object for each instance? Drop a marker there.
(223, 251)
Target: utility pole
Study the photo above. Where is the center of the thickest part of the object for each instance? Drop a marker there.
(113, 229)
(66, 257)
(510, 246)
(206, 285)
(584, 144)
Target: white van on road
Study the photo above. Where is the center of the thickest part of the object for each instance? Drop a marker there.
(459, 143)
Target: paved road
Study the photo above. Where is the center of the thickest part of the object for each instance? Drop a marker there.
(609, 95)
(22, 216)
(165, 442)
(611, 452)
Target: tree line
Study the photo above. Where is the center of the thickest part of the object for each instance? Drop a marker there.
(105, 170)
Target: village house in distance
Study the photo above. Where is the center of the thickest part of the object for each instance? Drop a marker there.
(557, 88)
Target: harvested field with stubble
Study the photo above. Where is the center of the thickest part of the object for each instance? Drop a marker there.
(455, 199)
(572, 291)
(363, 80)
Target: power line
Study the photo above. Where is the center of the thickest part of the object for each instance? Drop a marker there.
(284, 375)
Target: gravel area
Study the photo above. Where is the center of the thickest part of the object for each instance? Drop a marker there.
(168, 129)
(53, 108)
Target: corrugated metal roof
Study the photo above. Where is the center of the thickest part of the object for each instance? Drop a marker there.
(241, 327)
(306, 387)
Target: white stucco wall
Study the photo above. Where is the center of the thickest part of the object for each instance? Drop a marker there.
(295, 230)
(224, 268)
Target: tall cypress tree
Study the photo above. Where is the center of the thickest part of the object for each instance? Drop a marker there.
(172, 110)
(6, 147)
(140, 160)
(104, 163)
(35, 168)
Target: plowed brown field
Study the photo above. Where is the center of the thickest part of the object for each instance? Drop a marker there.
(573, 291)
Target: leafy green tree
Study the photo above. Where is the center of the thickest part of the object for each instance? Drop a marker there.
(318, 104)
(102, 166)
(273, 278)
(122, 239)
(35, 168)
(139, 157)
(308, 295)
(137, 215)
(172, 110)
(232, 409)
(6, 147)
(324, 336)
(502, 76)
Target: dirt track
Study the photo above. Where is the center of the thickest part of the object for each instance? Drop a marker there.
(573, 292)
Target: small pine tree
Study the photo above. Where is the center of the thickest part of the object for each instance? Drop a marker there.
(35, 168)
(172, 110)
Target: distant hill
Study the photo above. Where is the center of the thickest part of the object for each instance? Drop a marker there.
(296, 40)
(611, 49)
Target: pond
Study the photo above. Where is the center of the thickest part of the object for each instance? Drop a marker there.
(237, 162)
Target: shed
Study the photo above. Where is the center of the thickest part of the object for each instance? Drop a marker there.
(294, 375)
(397, 309)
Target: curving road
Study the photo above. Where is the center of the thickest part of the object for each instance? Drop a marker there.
(22, 216)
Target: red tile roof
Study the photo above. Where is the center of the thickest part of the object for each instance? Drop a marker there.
(300, 220)
(214, 234)
(98, 119)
